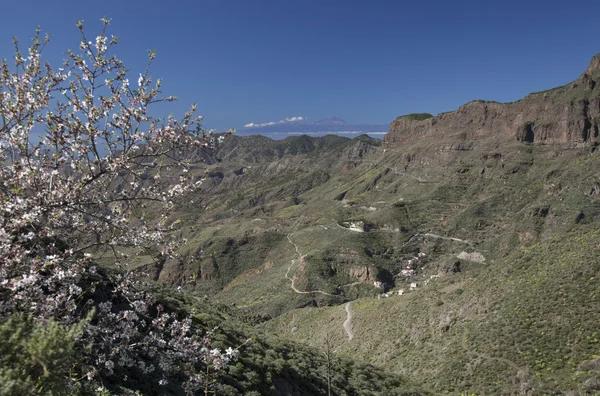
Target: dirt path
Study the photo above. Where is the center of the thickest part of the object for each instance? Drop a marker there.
(436, 236)
(293, 278)
(347, 323)
(351, 284)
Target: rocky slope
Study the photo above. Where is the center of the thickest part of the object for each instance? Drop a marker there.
(564, 115)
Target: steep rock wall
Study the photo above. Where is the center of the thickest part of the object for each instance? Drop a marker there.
(567, 114)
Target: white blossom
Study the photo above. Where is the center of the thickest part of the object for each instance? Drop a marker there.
(59, 196)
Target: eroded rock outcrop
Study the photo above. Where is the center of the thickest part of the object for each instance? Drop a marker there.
(567, 114)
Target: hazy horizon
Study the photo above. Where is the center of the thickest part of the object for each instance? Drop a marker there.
(264, 61)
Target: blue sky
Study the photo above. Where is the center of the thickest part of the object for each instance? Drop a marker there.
(257, 61)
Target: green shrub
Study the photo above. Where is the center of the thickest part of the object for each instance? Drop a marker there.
(35, 358)
(416, 116)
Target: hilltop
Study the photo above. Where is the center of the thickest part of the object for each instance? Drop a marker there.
(331, 121)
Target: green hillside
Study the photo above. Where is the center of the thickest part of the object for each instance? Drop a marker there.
(490, 236)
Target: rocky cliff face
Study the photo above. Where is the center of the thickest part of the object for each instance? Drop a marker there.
(568, 114)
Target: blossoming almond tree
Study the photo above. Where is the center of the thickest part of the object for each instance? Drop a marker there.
(80, 155)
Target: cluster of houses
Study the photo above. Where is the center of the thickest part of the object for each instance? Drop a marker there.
(413, 286)
(406, 272)
(430, 279)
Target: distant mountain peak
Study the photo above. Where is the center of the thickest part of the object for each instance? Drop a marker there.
(331, 121)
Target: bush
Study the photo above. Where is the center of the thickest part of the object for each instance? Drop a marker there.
(416, 116)
(36, 358)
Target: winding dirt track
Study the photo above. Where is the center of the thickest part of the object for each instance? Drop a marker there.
(293, 278)
(347, 323)
(436, 236)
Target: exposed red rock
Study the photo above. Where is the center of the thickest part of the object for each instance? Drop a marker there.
(567, 114)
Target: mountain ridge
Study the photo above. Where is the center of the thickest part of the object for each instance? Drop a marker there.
(327, 125)
(569, 114)
(331, 121)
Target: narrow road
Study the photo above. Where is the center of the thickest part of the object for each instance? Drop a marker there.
(347, 324)
(350, 284)
(436, 236)
(293, 278)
